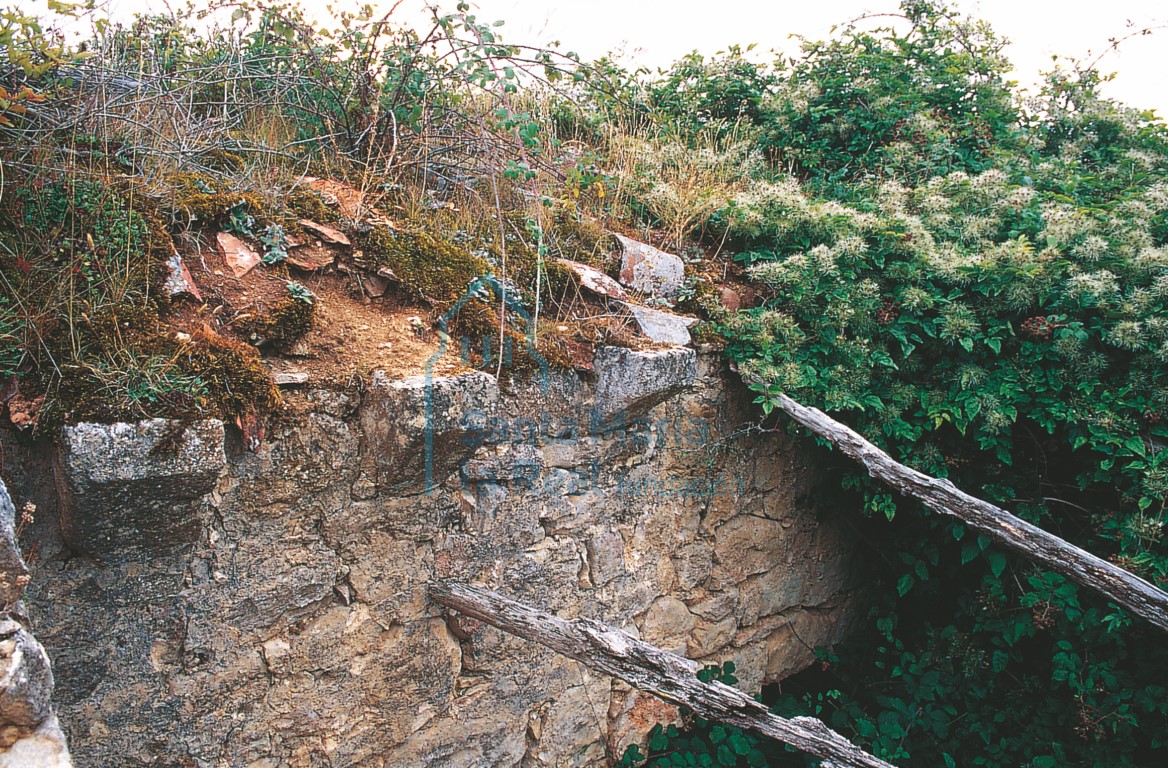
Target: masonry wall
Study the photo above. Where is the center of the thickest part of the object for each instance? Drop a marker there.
(207, 605)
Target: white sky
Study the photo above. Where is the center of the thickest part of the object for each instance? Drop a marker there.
(656, 32)
(659, 31)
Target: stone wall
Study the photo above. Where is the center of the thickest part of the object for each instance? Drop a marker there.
(206, 605)
(30, 736)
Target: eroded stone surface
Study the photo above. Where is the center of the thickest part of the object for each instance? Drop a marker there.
(662, 327)
(13, 572)
(30, 736)
(650, 270)
(595, 280)
(44, 747)
(133, 490)
(629, 383)
(26, 681)
(178, 279)
(297, 631)
(422, 428)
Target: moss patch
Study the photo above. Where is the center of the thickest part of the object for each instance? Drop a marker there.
(287, 322)
(431, 268)
(237, 381)
(304, 203)
(198, 197)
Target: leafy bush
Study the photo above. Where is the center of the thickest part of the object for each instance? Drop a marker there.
(978, 285)
(911, 105)
(985, 301)
(702, 743)
(714, 94)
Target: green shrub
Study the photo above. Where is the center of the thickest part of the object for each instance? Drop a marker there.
(978, 286)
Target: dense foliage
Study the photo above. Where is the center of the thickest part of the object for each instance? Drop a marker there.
(978, 284)
(975, 281)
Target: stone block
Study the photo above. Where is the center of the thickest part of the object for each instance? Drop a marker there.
(662, 327)
(26, 681)
(421, 429)
(595, 280)
(710, 637)
(606, 556)
(562, 454)
(132, 491)
(650, 270)
(13, 572)
(629, 383)
(693, 565)
(519, 464)
(667, 624)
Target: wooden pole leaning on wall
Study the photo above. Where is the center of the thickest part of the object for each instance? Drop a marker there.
(1122, 587)
(643, 666)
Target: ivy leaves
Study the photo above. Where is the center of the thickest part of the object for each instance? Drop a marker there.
(983, 298)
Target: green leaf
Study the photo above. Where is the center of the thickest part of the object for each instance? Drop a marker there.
(996, 560)
(738, 743)
(999, 661)
(1136, 445)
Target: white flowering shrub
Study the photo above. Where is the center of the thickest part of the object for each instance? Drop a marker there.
(980, 286)
(977, 281)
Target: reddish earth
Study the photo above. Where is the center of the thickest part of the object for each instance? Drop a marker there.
(361, 322)
(352, 334)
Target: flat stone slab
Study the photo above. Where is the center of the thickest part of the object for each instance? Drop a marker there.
(662, 327)
(422, 429)
(178, 279)
(312, 257)
(325, 233)
(240, 256)
(136, 490)
(290, 378)
(595, 280)
(650, 270)
(629, 383)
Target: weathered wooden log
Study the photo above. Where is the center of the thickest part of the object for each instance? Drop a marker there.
(1126, 589)
(651, 669)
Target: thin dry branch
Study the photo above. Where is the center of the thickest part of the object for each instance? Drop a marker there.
(651, 669)
(1124, 588)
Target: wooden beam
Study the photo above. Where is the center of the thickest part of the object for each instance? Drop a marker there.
(1126, 589)
(651, 669)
